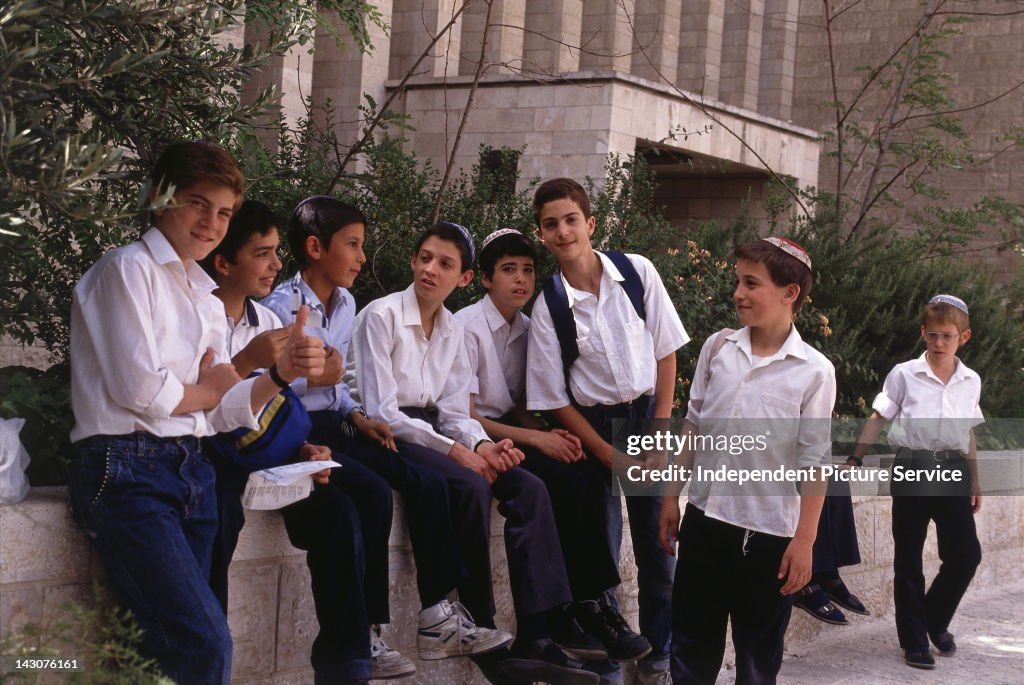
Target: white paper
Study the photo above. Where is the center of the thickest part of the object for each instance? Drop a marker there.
(280, 486)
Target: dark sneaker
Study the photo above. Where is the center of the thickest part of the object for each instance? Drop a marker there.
(601, 620)
(840, 594)
(493, 667)
(919, 658)
(944, 643)
(542, 661)
(566, 632)
(815, 602)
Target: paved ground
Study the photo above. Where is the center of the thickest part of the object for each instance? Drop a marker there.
(989, 630)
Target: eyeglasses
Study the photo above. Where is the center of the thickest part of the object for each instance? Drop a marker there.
(936, 336)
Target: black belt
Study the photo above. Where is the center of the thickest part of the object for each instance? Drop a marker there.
(938, 455)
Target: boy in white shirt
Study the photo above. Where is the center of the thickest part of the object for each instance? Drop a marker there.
(933, 404)
(614, 312)
(743, 549)
(412, 373)
(327, 523)
(496, 333)
(326, 237)
(150, 375)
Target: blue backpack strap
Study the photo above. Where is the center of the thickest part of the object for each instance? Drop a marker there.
(557, 301)
(631, 282)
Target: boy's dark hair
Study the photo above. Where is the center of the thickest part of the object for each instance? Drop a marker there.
(941, 313)
(321, 216)
(452, 233)
(783, 268)
(509, 245)
(560, 189)
(251, 218)
(183, 165)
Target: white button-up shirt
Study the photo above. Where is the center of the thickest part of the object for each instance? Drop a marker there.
(928, 414)
(332, 323)
(255, 320)
(141, 321)
(496, 352)
(789, 396)
(619, 351)
(396, 365)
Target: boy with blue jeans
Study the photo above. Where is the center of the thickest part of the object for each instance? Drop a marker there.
(744, 549)
(150, 375)
(326, 524)
(624, 369)
(933, 404)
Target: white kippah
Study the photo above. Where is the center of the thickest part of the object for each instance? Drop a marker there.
(951, 300)
(790, 248)
(497, 234)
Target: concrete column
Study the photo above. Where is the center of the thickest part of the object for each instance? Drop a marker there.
(778, 58)
(504, 42)
(291, 74)
(741, 52)
(657, 31)
(413, 26)
(342, 75)
(700, 46)
(607, 37)
(553, 29)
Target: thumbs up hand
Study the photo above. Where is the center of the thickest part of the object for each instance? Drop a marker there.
(303, 355)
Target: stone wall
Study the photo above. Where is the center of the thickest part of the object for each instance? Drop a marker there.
(271, 610)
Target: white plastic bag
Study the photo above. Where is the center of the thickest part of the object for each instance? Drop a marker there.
(13, 462)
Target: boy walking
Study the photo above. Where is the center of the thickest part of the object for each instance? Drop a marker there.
(744, 549)
(602, 348)
(933, 404)
(150, 375)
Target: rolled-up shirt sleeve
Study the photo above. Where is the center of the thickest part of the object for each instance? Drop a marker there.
(377, 387)
(888, 402)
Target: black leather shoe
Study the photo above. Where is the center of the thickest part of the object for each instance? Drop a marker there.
(812, 599)
(840, 594)
(600, 619)
(566, 632)
(944, 643)
(919, 658)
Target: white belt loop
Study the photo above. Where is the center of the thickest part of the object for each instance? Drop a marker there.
(747, 534)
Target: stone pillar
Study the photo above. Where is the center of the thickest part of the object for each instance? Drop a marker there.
(504, 42)
(700, 46)
(553, 29)
(778, 58)
(741, 52)
(606, 39)
(657, 30)
(291, 74)
(342, 75)
(413, 26)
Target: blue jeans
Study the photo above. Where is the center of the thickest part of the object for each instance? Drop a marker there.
(148, 507)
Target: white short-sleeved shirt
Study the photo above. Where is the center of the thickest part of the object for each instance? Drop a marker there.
(619, 351)
(331, 322)
(255, 320)
(496, 352)
(141, 321)
(790, 395)
(926, 413)
(396, 365)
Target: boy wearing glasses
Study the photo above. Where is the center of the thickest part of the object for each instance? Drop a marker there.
(933, 404)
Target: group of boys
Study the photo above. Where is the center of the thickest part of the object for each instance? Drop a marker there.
(170, 345)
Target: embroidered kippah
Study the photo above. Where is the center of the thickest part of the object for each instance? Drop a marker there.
(497, 234)
(465, 236)
(790, 248)
(949, 299)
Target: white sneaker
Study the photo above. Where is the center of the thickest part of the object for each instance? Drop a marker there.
(447, 630)
(387, 664)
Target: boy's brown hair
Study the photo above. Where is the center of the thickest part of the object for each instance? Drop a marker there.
(783, 268)
(183, 165)
(942, 313)
(560, 189)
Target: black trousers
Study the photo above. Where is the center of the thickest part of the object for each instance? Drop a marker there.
(536, 569)
(727, 572)
(426, 501)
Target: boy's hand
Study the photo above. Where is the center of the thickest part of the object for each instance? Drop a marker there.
(472, 461)
(334, 367)
(501, 455)
(302, 355)
(264, 349)
(796, 565)
(975, 497)
(559, 444)
(378, 431)
(668, 525)
(317, 453)
(215, 380)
